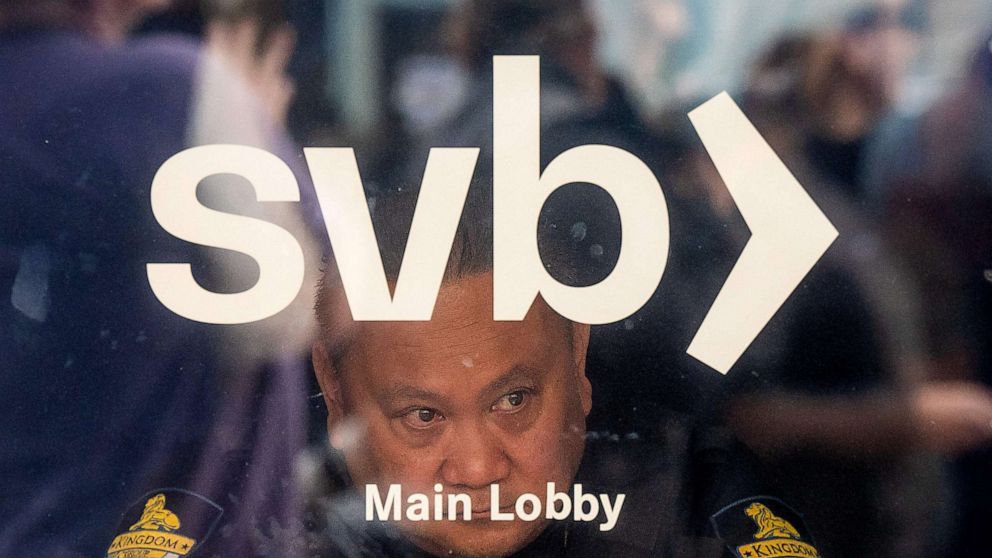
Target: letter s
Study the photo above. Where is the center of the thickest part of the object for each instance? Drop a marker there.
(176, 208)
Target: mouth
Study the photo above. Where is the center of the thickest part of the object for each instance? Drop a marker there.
(485, 514)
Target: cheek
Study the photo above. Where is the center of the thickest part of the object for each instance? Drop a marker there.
(381, 457)
(552, 447)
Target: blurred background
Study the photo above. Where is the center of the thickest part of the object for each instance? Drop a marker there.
(867, 395)
(354, 60)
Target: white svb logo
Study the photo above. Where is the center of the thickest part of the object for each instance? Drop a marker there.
(788, 237)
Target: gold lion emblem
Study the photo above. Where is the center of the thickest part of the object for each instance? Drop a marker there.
(769, 524)
(156, 517)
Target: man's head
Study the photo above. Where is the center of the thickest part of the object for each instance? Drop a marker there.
(459, 400)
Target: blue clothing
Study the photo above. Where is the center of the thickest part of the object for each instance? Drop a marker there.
(104, 393)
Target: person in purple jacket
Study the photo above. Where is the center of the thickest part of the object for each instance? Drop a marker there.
(105, 395)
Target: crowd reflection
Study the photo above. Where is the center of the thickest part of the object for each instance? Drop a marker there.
(867, 398)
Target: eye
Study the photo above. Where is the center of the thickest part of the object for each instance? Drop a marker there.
(421, 418)
(511, 401)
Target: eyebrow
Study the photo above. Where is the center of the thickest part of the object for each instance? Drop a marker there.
(516, 374)
(405, 391)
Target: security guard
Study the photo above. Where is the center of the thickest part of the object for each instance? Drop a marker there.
(460, 403)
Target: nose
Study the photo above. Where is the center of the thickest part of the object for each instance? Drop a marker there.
(475, 458)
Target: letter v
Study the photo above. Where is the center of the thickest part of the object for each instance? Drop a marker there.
(341, 195)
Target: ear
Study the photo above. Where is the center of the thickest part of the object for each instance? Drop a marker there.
(330, 387)
(580, 349)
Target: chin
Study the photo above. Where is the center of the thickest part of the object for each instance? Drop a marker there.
(476, 539)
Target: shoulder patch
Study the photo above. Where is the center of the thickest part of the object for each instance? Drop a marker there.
(763, 527)
(165, 523)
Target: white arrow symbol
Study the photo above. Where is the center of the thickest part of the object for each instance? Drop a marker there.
(789, 233)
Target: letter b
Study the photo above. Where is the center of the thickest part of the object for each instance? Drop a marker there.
(583, 501)
(519, 193)
(554, 498)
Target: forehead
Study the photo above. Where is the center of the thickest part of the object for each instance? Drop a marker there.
(461, 335)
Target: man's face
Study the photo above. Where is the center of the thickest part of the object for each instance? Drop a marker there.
(466, 402)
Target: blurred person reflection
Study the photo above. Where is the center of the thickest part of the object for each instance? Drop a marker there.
(850, 85)
(935, 197)
(838, 397)
(574, 88)
(106, 393)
